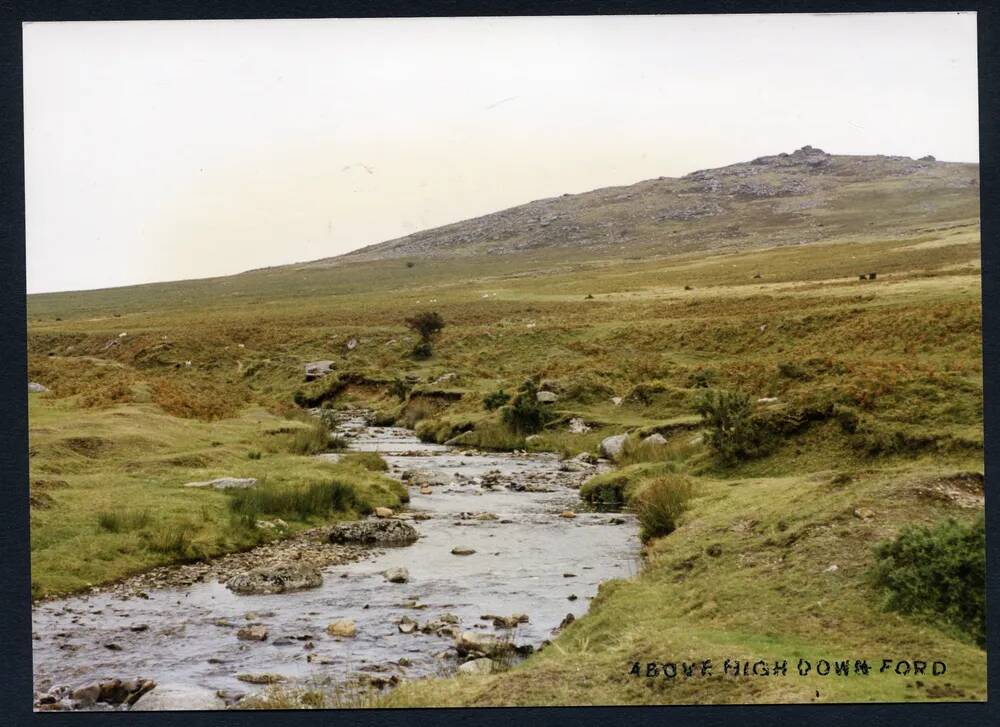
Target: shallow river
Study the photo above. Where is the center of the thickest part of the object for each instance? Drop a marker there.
(529, 560)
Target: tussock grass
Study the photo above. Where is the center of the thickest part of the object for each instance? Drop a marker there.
(660, 504)
(319, 499)
(371, 461)
(123, 521)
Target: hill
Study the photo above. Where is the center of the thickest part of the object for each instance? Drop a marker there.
(802, 197)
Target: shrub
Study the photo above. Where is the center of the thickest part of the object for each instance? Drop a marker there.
(495, 400)
(660, 505)
(732, 432)
(524, 414)
(938, 573)
(114, 521)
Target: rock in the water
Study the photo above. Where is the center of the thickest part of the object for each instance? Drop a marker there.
(252, 633)
(476, 667)
(568, 514)
(383, 512)
(87, 694)
(173, 697)
(655, 438)
(380, 532)
(276, 579)
(260, 678)
(342, 627)
(547, 397)
(36, 388)
(397, 575)
(585, 458)
(460, 550)
(471, 642)
(611, 447)
(225, 483)
(406, 625)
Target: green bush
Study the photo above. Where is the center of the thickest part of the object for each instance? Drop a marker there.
(938, 573)
(524, 415)
(732, 432)
(495, 400)
(313, 440)
(660, 504)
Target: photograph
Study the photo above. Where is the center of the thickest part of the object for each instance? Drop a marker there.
(510, 361)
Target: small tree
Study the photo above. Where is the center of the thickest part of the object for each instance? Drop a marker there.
(426, 325)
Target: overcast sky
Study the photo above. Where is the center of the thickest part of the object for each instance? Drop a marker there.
(172, 150)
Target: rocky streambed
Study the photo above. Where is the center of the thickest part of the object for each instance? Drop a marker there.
(503, 556)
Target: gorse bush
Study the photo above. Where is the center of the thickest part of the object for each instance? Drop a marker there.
(732, 434)
(660, 504)
(938, 573)
(525, 415)
(495, 399)
(319, 499)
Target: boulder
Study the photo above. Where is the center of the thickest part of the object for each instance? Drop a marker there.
(655, 438)
(383, 512)
(280, 578)
(460, 550)
(611, 447)
(36, 388)
(257, 632)
(397, 575)
(406, 625)
(472, 642)
(568, 514)
(225, 483)
(578, 426)
(342, 627)
(374, 532)
(547, 397)
(86, 695)
(317, 369)
(175, 697)
(476, 667)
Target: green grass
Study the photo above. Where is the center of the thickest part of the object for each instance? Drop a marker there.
(896, 363)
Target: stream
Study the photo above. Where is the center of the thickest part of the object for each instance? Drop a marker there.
(530, 559)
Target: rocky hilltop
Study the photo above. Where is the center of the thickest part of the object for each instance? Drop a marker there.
(802, 197)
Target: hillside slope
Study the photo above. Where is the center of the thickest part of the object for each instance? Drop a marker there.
(802, 197)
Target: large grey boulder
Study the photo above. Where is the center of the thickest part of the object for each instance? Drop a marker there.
(276, 579)
(174, 697)
(611, 447)
(374, 532)
(472, 642)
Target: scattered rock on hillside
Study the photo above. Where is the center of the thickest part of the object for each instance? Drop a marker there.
(36, 388)
(280, 578)
(655, 438)
(375, 532)
(578, 426)
(611, 447)
(547, 397)
(226, 483)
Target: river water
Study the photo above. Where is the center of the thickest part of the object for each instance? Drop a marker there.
(529, 560)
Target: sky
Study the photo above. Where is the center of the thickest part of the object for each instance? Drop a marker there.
(186, 149)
